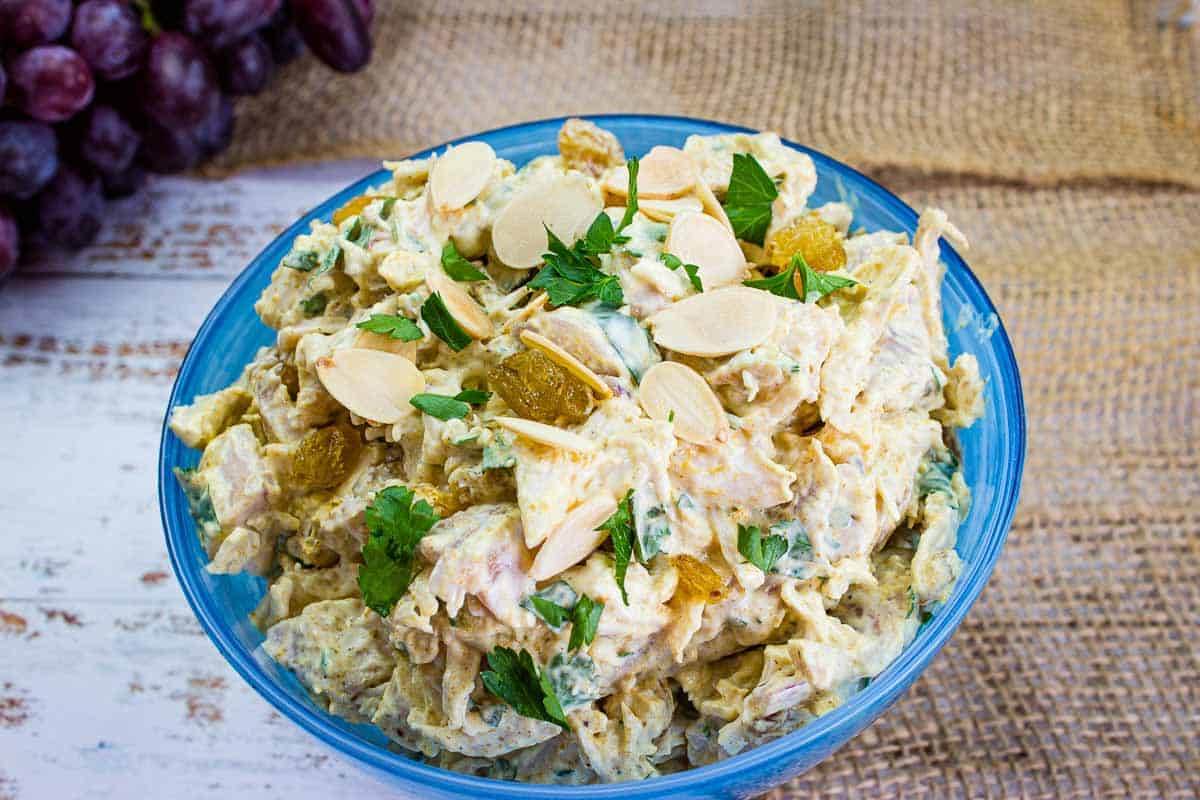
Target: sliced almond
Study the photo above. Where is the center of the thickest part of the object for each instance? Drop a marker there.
(672, 391)
(701, 240)
(566, 205)
(574, 539)
(663, 173)
(461, 174)
(369, 340)
(569, 362)
(667, 210)
(716, 323)
(466, 312)
(371, 383)
(546, 434)
(709, 201)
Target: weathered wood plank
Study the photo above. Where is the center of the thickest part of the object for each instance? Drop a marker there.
(110, 700)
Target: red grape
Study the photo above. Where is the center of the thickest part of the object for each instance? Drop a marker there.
(51, 82)
(335, 31)
(70, 208)
(220, 23)
(109, 143)
(109, 37)
(168, 150)
(29, 23)
(178, 82)
(215, 133)
(10, 242)
(366, 10)
(246, 67)
(124, 184)
(283, 38)
(28, 157)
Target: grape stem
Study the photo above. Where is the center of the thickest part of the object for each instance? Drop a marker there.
(149, 23)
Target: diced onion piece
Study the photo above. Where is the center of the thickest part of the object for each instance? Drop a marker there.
(667, 210)
(574, 539)
(546, 434)
(702, 240)
(663, 173)
(672, 391)
(566, 205)
(567, 361)
(716, 323)
(371, 383)
(461, 174)
(469, 315)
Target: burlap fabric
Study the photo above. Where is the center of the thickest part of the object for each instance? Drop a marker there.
(1064, 138)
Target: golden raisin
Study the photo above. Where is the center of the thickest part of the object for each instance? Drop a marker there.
(697, 580)
(353, 208)
(819, 242)
(325, 457)
(539, 389)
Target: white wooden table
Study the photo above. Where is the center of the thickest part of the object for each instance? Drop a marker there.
(108, 686)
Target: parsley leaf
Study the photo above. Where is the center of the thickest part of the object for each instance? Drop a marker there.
(748, 202)
(631, 201)
(395, 525)
(674, 262)
(385, 211)
(440, 406)
(314, 305)
(553, 604)
(400, 328)
(516, 680)
(438, 318)
(818, 284)
(458, 267)
(762, 553)
(585, 618)
(328, 262)
(302, 260)
(473, 396)
(571, 275)
(620, 530)
(782, 284)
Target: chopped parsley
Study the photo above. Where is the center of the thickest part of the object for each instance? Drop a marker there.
(359, 232)
(396, 327)
(585, 618)
(458, 267)
(446, 407)
(302, 260)
(759, 551)
(516, 680)
(328, 262)
(395, 525)
(748, 201)
(631, 200)
(385, 211)
(439, 320)
(473, 396)
(816, 284)
(498, 454)
(314, 305)
(620, 530)
(572, 275)
(674, 262)
(553, 604)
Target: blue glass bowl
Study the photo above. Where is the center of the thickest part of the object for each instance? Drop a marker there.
(993, 450)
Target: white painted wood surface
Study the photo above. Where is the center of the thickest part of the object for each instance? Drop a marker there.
(108, 686)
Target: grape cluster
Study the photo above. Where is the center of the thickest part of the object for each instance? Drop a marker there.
(95, 93)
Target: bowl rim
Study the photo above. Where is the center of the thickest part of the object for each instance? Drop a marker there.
(883, 690)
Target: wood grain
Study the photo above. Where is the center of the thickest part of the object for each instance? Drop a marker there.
(108, 687)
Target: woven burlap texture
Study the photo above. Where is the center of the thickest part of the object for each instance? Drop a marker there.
(1064, 138)
(1029, 90)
